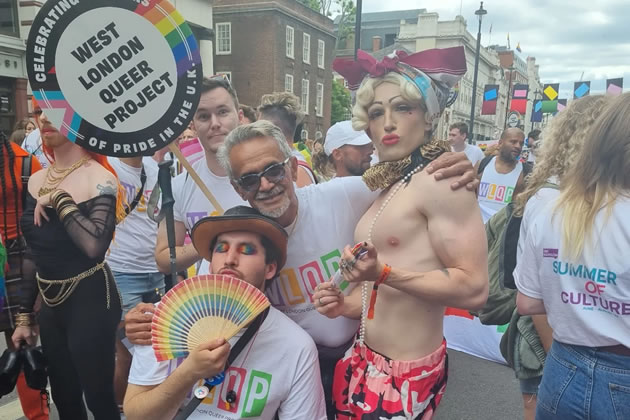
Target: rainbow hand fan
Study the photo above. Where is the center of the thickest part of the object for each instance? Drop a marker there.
(200, 309)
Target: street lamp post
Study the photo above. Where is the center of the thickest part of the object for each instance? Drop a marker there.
(480, 13)
(357, 28)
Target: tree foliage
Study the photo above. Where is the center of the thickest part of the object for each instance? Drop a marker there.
(324, 6)
(347, 20)
(347, 15)
(313, 4)
(341, 107)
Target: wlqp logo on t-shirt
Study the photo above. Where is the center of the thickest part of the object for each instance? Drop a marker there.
(495, 192)
(296, 285)
(251, 390)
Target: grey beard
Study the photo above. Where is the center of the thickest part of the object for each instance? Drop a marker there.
(277, 212)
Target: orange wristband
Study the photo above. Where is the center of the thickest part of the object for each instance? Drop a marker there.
(386, 270)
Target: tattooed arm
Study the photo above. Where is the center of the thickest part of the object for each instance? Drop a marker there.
(109, 187)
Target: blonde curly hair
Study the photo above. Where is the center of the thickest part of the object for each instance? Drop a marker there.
(562, 143)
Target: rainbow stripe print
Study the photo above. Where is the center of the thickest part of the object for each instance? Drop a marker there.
(175, 30)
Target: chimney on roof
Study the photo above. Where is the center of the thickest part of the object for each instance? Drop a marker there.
(377, 41)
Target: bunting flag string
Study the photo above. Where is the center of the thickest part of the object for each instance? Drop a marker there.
(550, 102)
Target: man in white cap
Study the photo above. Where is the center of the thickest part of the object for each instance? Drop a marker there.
(346, 152)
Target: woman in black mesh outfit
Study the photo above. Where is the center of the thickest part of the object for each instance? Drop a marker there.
(69, 221)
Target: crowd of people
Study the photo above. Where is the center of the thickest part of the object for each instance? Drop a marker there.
(537, 242)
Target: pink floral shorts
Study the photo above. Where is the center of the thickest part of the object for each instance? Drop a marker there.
(368, 385)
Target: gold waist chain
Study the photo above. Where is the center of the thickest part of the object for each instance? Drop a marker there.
(69, 285)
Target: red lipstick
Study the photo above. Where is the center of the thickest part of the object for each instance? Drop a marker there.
(390, 139)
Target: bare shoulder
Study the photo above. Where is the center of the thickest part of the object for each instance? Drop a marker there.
(104, 182)
(438, 196)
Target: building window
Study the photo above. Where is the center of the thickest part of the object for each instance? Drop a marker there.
(290, 42)
(306, 48)
(288, 83)
(318, 135)
(9, 18)
(305, 96)
(224, 38)
(319, 102)
(321, 47)
(304, 135)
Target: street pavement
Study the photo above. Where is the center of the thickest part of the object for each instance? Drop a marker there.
(476, 390)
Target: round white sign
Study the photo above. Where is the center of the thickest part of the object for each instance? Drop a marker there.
(118, 77)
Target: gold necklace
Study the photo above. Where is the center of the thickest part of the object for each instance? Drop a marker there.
(52, 181)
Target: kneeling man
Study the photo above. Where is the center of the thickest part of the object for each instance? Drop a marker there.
(278, 370)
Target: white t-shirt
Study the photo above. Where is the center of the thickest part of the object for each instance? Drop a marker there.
(277, 371)
(532, 208)
(191, 204)
(327, 216)
(33, 144)
(495, 189)
(473, 153)
(587, 301)
(133, 247)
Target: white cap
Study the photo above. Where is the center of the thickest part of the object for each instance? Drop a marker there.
(342, 134)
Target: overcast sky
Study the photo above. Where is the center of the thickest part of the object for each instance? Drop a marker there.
(566, 37)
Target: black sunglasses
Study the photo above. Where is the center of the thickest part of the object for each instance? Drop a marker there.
(273, 173)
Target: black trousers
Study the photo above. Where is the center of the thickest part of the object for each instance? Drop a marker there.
(78, 339)
(327, 370)
(328, 358)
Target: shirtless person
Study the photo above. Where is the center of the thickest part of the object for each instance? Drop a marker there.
(426, 247)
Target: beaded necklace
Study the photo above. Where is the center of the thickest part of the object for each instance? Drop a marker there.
(364, 286)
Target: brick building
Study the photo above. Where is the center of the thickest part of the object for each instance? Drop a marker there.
(277, 45)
